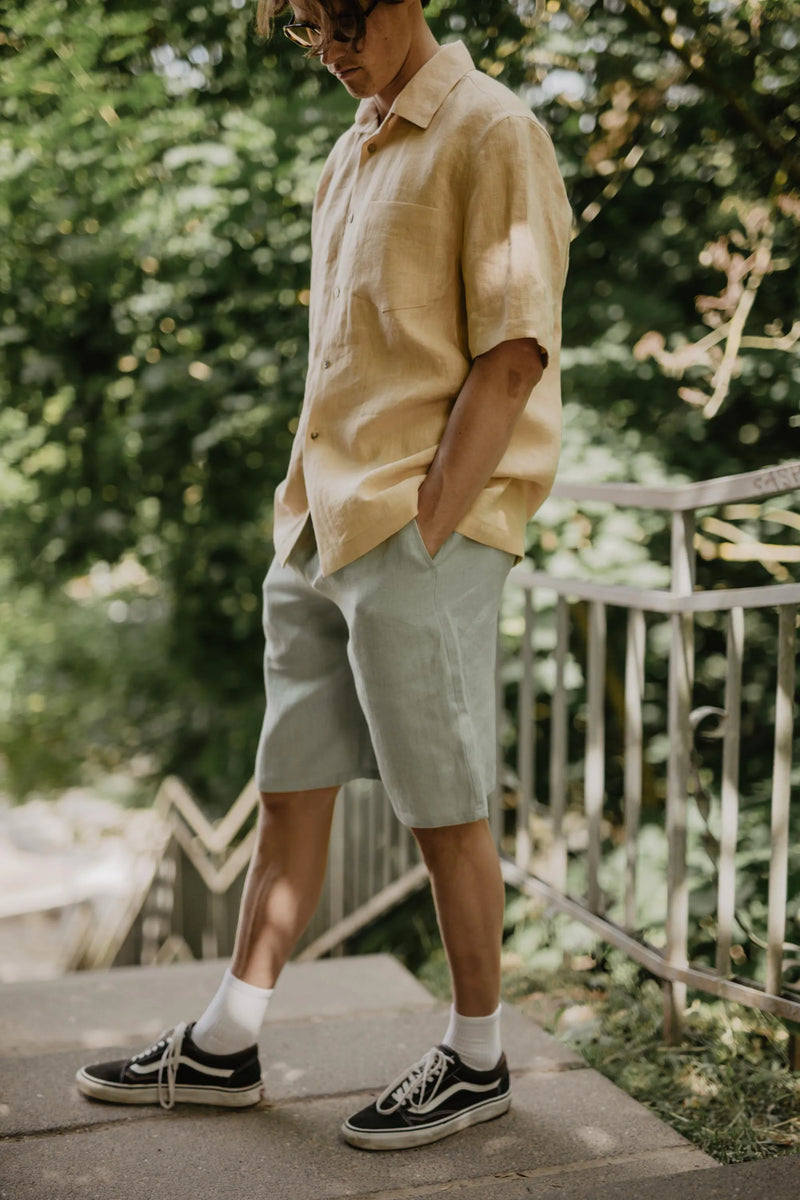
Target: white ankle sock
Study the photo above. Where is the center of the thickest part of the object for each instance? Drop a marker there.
(476, 1040)
(233, 1019)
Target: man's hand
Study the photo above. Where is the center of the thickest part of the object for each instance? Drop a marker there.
(476, 436)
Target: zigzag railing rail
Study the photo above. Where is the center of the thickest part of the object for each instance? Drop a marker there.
(188, 905)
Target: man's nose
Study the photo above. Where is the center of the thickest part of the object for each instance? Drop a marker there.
(332, 53)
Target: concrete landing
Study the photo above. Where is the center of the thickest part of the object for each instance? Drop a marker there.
(337, 1031)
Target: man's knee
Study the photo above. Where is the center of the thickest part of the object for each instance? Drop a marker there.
(446, 841)
(275, 799)
(300, 802)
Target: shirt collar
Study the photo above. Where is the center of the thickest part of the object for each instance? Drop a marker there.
(425, 92)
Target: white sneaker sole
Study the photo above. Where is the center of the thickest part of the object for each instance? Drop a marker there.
(147, 1093)
(402, 1139)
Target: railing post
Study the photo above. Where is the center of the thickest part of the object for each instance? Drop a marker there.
(526, 739)
(350, 873)
(634, 696)
(558, 750)
(729, 822)
(681, 677)
(496, 797)
(781, 791)
(595, 769)
(369, 857)
(337, 860)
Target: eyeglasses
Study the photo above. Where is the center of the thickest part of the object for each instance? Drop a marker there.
(345, 29)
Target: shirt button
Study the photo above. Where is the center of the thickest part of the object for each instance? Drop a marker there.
(337, 292)
(326, 364)
(351, 218)
(313, 436)
(371, 148)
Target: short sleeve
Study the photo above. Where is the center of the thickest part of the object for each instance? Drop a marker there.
(516, 238)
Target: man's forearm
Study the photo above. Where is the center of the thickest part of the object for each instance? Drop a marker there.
(476, 436)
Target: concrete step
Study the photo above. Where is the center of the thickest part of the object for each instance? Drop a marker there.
(561, 1127)
(129, 1005)
(338, 1030)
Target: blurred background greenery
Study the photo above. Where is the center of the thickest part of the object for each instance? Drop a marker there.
(157, 167)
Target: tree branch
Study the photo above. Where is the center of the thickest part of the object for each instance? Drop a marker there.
(693, 54)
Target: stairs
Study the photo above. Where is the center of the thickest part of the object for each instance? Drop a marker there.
(338, 1030)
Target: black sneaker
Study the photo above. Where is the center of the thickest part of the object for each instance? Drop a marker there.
(175, 1069)
(437, 1096)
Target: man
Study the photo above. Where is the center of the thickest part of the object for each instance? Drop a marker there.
(439, 240)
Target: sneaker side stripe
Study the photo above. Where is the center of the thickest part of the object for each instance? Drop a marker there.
(403, 1127)
(473, 1108)
(202, 1068)
(462, 1086)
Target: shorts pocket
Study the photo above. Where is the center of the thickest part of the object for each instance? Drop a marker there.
(432, 560)
(426, 554)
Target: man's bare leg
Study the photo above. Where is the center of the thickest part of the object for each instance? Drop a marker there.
(284, 881)
(280, 895)
(470, 899)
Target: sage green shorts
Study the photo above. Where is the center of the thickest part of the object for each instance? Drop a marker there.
(385, 670)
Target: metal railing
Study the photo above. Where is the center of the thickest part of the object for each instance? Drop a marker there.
(579, 780)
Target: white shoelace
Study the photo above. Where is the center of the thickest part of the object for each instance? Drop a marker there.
(170, 1061)
(411, 1088)
(172, 1041)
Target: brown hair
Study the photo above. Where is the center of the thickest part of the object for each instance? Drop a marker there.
(322, 13)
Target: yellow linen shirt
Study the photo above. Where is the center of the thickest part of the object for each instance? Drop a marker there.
(436, 235)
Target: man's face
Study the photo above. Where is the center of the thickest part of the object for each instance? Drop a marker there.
(378, 63)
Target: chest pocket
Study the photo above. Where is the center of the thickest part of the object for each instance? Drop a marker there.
(401, 254)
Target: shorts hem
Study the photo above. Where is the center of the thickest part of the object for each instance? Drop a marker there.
(281, 784)
(431, 821)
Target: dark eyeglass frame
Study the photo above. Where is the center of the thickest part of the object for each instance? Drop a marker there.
(295, 29)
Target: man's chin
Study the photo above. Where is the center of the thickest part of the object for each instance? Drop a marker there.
(356, 83)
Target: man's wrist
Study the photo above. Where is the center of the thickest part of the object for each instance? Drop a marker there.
(432, 532)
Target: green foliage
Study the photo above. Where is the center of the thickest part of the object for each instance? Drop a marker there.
(84, 672)
(157, 165)
(677, 127)
(728, 1087)
(154, 343)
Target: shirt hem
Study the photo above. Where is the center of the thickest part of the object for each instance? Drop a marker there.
(474, 528)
